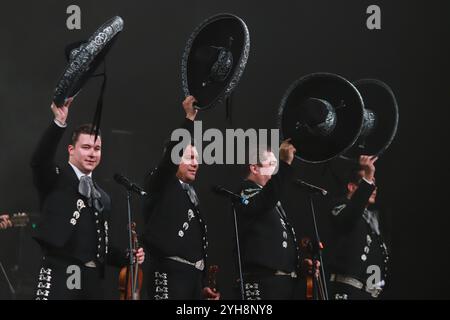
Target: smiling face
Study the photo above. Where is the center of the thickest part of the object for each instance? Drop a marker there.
(187, 169)
(85, 153)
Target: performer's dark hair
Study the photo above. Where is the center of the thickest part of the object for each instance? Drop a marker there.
(82, 129)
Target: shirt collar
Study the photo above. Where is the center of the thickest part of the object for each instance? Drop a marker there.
(257, 184)
(78, 172)
(182, 182)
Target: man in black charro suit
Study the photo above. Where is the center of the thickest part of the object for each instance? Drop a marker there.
(176, 229)
(269, 247)
(359, 268)
(73, 232)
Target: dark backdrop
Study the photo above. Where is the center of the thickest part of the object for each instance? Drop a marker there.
(288, 39)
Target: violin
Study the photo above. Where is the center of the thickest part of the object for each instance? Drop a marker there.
(315, 289)
(131, 276)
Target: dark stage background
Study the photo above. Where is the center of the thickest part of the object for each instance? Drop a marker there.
(288, 39)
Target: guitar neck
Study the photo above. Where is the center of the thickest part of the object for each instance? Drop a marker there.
(20, 219)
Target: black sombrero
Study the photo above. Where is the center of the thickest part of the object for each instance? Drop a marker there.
(214, 59)
(322, 113)
(84, 59)
(380, 119)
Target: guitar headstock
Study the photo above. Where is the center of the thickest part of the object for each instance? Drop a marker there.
(20, 219)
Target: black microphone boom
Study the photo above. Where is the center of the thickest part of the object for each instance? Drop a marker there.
(233, 196)
(310, 188)
(130, 186)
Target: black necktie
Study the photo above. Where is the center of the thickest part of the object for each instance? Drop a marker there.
(191, 193)
(87, 188)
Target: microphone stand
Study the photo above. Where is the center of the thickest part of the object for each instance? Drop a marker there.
(318, 247)
(234, 198)
(11, 288)
(130, 244)
(236, 232)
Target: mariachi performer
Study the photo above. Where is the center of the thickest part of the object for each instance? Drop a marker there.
(73, 233)
(176, 230)
(326, 116)
(359, 268)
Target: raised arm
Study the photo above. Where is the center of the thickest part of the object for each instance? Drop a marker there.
(42, 161)
(166, 167)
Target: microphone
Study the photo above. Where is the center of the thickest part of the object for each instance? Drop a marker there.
(233, 196)
(124, 181)
(309, 187)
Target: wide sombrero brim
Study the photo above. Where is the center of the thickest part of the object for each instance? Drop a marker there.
(347, 103)
(214, 32)
(85, 59)
(379, 98)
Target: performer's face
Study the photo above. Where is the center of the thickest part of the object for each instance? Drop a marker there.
(86, 153)
(187, 169)
(263, 172)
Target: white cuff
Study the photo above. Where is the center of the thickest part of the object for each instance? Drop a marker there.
(59, 124)
(369, 182)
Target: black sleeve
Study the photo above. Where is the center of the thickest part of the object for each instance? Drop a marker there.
(346, 215)
(43, 158)
(267, 198)
(205, 282)
(166, 168)
(117, 257)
